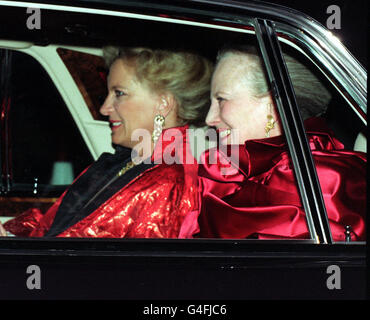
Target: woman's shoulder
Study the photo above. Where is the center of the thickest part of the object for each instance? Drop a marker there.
(172, 173)
(162, 181)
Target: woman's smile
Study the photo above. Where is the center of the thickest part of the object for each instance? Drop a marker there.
(223, 134)
(115, 124)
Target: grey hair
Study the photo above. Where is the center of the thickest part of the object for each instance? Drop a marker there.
(185, 75)
(311, 94)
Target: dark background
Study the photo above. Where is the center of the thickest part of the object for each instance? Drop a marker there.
(354, 21)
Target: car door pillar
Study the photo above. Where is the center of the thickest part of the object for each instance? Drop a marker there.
(5, 101)
(304, 168)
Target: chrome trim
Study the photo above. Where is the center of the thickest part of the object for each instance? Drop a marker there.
(116, 13)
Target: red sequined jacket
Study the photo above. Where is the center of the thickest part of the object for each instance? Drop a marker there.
(152, 205)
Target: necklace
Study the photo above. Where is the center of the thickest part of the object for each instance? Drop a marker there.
(127, 167)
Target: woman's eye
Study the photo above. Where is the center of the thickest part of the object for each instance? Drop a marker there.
(220, 100)
(119, 93)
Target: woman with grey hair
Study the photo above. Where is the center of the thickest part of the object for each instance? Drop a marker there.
(260, 199)
(135, 192)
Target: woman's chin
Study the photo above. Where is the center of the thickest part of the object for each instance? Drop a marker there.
(120, 142)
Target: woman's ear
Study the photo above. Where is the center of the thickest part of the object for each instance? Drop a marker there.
(267, 100)
(166, 104)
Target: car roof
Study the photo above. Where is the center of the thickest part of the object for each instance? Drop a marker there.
(230, 9)
(216, 12)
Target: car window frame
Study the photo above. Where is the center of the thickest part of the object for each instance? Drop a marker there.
(4, 138)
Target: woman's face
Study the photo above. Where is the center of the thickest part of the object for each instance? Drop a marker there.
(233, 106)
(129, 104)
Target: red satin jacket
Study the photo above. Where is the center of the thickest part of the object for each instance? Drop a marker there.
(153, 205)
(261, 200)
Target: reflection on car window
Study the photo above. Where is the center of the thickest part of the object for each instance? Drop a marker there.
(46, 146)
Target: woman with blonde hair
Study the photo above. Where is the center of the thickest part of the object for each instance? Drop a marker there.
(153, 96)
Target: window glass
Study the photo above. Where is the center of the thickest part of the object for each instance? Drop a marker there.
(89, 73)
(47, 150)
(335, 134)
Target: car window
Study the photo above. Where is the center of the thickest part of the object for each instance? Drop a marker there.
(89, 73)
(46, 150)
(319, 98)
(329, 102)
(52, 145)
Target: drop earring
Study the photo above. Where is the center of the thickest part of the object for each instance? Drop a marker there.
(158, 127)
(270, 124)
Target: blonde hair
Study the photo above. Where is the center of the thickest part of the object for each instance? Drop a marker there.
(312, 96)
(183, 74)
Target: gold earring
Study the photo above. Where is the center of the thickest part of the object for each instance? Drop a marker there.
(158, 127)
(270, 124)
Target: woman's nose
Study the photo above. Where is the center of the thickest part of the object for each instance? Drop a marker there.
(213, 115)
(107, 107)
